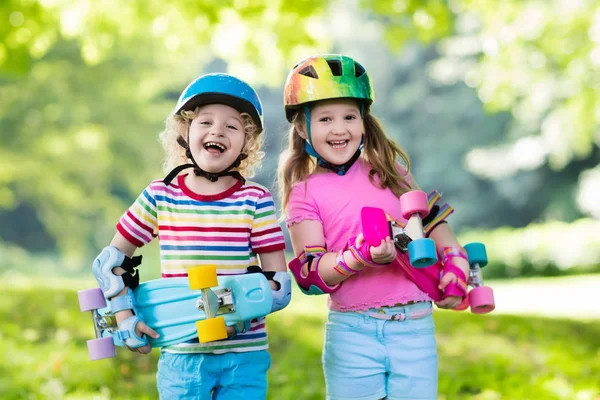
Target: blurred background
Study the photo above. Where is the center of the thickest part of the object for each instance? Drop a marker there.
(497, 104)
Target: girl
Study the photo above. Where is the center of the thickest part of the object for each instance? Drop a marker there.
(210, 216)
(379, 340)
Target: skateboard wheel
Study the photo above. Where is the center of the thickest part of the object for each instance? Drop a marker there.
(476, 253)
(422, 253)
(482, 300)
(414, 202)
(463, 305)
(91, 299)
(203, 277)
(101, 348)
(211, 329)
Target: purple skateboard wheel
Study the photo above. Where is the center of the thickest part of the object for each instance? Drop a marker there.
(101, 348)
(91, 299)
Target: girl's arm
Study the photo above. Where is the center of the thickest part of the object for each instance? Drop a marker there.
(443, 236)
(309, 233)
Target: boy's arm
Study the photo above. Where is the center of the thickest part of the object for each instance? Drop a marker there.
(127, 248)
(273, 261)
(274, 268)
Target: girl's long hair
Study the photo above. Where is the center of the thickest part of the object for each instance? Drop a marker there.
(177, 126)
(382, 154)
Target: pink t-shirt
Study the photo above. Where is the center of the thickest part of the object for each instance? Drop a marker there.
(336, 202)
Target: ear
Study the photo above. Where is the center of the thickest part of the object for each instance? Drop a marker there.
(300, 128)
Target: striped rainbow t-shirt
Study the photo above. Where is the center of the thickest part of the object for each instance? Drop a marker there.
(228, 229)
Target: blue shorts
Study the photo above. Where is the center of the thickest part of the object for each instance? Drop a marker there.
(229, 376)
(367, 358)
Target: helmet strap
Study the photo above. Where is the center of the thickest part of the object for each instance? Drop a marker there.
(213, 177)
(308, 147)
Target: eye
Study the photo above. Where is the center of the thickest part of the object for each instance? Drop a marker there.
(205, 122)
(350, 116)
(324, 119)
(232, 127)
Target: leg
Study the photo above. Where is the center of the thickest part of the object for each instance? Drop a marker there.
(184, 376)
(353, 358)
(413, 368)
(244, 376)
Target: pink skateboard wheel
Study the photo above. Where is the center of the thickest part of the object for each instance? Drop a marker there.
(482, 300)
(414, 202)
(463, 305)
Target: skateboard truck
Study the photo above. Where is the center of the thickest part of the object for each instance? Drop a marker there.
(217, 302)
(103, 323)
(399, 236)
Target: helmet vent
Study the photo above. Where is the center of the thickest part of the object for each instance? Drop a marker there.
(309, 71)
(335, 66)
(358, 70)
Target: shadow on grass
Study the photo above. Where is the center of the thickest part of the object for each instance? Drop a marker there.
(43, 335)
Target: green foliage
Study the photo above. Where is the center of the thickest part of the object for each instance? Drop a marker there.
(404, 20)
(235, 30)
(43, 335)
(553, 248)
(540, 61)
(83, 95)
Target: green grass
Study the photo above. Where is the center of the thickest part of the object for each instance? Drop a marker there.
(43, 341)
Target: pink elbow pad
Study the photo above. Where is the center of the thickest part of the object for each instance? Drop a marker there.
(312, 283)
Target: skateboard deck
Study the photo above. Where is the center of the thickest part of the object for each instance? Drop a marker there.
(376, 225)
(172, 309)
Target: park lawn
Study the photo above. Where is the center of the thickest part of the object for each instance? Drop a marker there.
(43, 335)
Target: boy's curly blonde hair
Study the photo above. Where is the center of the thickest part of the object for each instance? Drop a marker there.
(177, 126)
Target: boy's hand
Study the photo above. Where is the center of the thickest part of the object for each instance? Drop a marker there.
(450, 301)
(385, 253)
(140, 329)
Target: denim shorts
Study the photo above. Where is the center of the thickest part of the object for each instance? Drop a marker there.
(229, 376)
(367, 358)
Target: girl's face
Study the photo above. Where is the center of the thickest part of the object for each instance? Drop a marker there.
(216, 137)
(336, 128)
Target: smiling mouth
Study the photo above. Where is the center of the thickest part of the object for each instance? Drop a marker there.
(214, 146)
(338, 144)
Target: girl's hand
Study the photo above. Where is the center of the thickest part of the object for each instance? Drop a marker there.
(450, 301)
(385, 253)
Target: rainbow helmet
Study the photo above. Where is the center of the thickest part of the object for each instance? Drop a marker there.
(326, 76)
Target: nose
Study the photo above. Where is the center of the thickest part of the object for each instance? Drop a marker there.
(217, 129)
(338, 127)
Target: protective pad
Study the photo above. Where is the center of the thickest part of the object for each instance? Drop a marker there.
(128, 335)
(282, 296)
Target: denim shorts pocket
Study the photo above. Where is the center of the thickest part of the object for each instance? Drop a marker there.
(343, 320)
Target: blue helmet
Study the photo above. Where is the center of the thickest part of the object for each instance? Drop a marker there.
(222, 89)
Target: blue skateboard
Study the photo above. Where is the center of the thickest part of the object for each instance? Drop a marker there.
(179, 309)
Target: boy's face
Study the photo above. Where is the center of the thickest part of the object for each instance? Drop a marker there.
(336, 128)
(216, 137)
